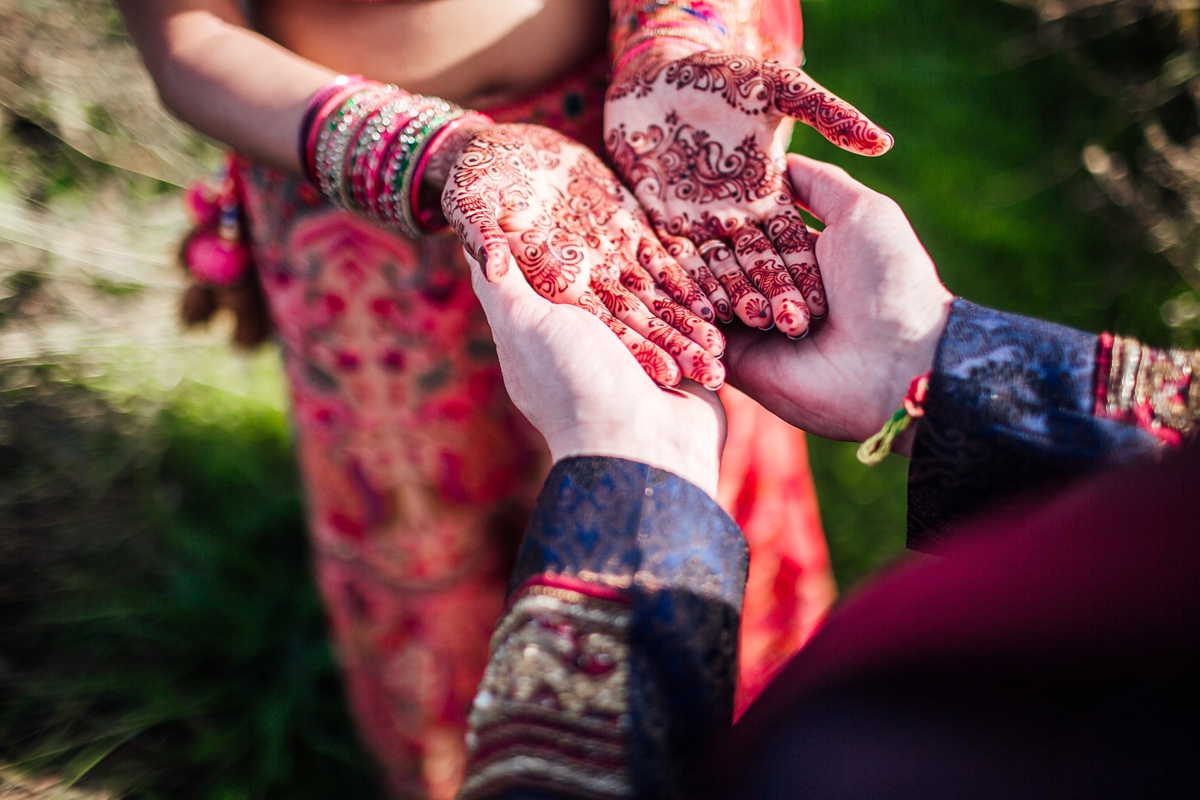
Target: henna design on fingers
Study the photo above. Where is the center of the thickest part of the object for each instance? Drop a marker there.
(769, 274)
(672, 277)
(770, 278)
(684, 253)
(656, 363)
(700, 331)
(748, 303)
(792, 241)
(691, 357)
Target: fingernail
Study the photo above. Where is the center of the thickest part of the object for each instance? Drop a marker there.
(483, 259)
(801, 336)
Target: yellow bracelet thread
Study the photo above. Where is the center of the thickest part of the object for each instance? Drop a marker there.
(877, 448)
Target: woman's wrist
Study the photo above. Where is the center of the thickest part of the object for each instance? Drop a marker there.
(444, 152)
(378, 150)
(659, 50)
(637, 24)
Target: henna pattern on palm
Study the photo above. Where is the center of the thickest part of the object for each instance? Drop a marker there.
(531, 195)
(700, 141)
(761, 88)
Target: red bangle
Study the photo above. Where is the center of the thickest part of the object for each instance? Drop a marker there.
(432, 220)
(1104, 352)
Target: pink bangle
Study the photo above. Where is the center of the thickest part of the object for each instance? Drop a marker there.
(646, 44)
(316, 110)
(428, 219)
(325, 129)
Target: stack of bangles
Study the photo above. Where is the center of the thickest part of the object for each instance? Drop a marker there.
(367, 144)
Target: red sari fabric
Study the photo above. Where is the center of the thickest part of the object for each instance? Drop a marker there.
(420, 474)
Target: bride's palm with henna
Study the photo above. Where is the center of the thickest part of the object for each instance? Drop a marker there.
(701, 142)
(530, 195)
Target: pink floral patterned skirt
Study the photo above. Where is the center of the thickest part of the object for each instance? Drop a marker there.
(420, 474)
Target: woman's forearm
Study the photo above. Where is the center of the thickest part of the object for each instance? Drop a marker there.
(224, 79)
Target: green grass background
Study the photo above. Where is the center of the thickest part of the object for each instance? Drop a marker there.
(159, 631)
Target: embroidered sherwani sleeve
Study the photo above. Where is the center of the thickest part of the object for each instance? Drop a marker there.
(1016, 404)
(615, 660)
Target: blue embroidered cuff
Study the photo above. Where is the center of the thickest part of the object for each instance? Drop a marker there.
(1009, 409)
(616, 660)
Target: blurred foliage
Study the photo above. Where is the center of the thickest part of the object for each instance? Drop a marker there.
(987, 162)
(862, 508)
(1145, 55)
(159, 629)
(76, 104)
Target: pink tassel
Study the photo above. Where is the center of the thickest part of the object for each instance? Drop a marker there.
(214, 259)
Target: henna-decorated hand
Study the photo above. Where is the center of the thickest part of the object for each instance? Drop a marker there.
(531, 195)
(701, 141)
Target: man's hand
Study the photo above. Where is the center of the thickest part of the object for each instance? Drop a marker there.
(845, 380)
(700, 139)
(578, 386)
(531, 194)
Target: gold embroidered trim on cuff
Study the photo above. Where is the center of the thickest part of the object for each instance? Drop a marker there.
(1156, 389)
(552, 709)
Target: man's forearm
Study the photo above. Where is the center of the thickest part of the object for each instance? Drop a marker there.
(615, 661)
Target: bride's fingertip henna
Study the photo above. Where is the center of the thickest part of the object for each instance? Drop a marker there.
(747, 302)
(708, 372)
(792, 318)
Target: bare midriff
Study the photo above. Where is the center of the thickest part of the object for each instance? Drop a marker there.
(478, 53)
